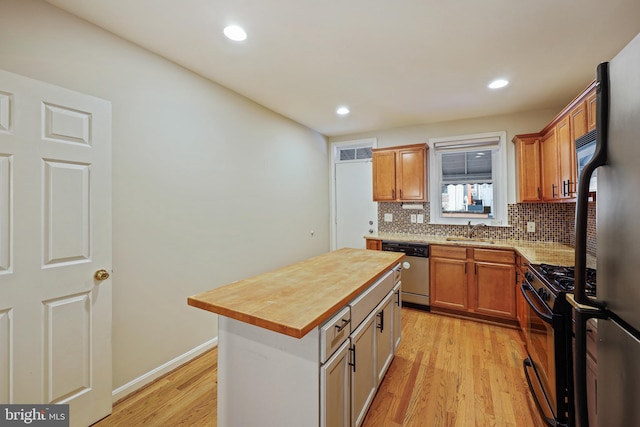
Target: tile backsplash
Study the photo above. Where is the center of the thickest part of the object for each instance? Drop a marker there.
(555, 222)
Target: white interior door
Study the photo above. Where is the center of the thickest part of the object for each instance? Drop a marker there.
(55, 233)
(356, 212)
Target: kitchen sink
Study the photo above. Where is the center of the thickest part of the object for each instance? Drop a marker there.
(468, 239)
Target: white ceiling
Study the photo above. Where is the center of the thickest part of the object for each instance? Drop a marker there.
(393, 63)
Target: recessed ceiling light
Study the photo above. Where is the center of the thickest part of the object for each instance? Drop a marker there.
(343, 111)
(497, 84)
(235, 33)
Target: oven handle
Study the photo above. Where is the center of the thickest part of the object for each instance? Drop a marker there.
(527, 363)
(525, 287)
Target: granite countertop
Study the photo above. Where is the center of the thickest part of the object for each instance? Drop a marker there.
(294, 300)
(535, 252)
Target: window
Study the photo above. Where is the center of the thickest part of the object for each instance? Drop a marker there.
(359, 153)
(468, 179)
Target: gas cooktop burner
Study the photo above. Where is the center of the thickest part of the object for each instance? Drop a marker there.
(562, 277)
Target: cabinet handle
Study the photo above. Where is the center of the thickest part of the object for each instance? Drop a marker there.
(381, 317)
(393, 194)
(344, 324)
(352, 350)
(539, 193)
(475, 269)
(564, 188)
(398, 298)
(553, 191)
(401, 193)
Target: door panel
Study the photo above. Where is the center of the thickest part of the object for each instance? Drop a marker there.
(55, 232)
(6, 186)
(67, 346)
(66, 213)
(5, 355)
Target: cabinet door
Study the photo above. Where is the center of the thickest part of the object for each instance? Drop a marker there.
(411, 174)
(335, 389)
(397, 316)
(384, 336)
(550, 187)
(384, 175)
(374, 244)
(363, 373)
(566, 159)
(591, 111)
(448, 283)
(495, 290)
(529, 171)
(578, 120)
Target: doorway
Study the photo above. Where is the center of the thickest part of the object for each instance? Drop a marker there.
(354, 214)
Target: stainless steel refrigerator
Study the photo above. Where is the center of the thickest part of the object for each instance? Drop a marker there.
(617, 302)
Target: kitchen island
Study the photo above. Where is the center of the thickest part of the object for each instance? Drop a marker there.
(284, 333)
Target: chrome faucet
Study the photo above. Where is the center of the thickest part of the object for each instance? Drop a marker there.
(471, 229)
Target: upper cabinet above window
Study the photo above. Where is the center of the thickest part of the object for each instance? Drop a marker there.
(400, 174)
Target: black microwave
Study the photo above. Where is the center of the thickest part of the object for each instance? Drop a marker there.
(585, 147)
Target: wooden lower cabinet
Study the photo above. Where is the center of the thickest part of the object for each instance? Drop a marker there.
(374, 244)
(521, 303)
(495, 293)
(478, 281)
(448, 283)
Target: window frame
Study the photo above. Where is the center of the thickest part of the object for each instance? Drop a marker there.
(499, 177)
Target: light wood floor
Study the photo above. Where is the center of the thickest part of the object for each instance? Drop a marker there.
(447, 372)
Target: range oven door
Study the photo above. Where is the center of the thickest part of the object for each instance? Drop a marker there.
(539, 367)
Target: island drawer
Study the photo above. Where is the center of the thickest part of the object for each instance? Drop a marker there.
(334, 332)
(368, 300)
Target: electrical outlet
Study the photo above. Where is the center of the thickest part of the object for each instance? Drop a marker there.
(531, 227)
(388, 217)
(420, 219)
(413, 218)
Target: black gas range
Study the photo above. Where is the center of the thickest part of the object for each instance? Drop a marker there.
(549, 366)
(560, 279)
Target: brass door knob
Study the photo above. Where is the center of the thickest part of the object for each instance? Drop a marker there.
(101, 275)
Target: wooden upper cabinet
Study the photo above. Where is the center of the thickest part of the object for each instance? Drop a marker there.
(591, 111)
(578, 120)
(400, 174)
(528, 170)
(411, 178)
(566, 159)
(554, 147)
(384, 175)
(550, 167)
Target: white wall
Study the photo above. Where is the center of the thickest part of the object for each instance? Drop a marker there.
(513, 124)
(208, 187)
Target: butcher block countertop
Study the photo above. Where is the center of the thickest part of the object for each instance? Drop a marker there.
(294, 300)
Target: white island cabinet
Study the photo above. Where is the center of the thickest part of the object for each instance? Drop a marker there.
(322, 370)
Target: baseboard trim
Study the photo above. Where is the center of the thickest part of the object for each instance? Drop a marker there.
(156, 373)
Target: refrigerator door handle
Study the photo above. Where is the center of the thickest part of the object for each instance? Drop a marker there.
(599, 159)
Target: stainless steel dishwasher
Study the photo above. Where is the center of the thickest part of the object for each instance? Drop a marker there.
(415, 271)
